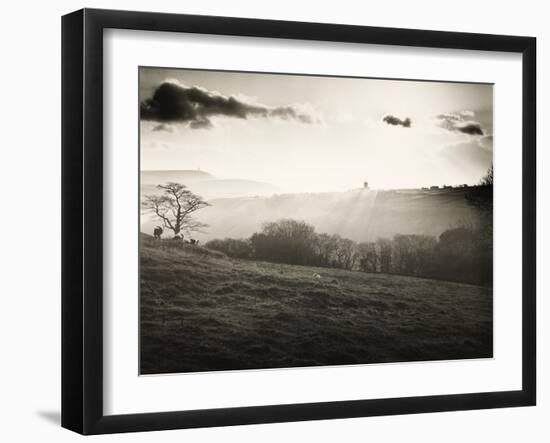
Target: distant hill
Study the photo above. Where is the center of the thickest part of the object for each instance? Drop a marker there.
(231, 188)
(183, 176)
(205, 184)
(360, 215)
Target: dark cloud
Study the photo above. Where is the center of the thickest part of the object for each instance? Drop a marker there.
(460, 122)
(470, 128)
(288, 112)
(396, 121)
(175, 103)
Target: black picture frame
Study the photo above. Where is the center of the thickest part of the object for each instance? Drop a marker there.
(82, 218)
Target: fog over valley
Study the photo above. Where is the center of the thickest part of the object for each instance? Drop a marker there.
(240, 207)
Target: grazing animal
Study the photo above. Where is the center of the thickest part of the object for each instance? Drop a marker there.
(157, 233)
(316, 275)
(193, 241)
(178, 237)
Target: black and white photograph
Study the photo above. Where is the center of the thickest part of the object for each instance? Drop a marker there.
(243, 222)
(298, 220)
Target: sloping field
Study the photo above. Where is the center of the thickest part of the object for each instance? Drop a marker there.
(202, 311)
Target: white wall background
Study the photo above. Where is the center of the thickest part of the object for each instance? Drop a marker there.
(30, 185)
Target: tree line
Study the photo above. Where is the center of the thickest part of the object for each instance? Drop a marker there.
(458, 254)
(462, 254)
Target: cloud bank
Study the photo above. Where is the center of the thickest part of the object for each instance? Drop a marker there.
(460, 122)
(173, 102)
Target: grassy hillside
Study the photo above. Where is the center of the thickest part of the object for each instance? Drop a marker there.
(202, 311)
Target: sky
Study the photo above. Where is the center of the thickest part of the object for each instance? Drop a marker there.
(313, 133)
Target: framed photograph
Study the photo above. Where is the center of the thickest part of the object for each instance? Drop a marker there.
(269, 221)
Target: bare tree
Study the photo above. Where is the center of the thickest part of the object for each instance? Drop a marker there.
(488, 177)
(346, 253)
(385, 247)
(368, 257)
(285, 241)
(325, 248)
(481, 196)
(175, 206)
(403, 256)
